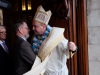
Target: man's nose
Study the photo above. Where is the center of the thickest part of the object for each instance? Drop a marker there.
(28, 29)
(33, 28)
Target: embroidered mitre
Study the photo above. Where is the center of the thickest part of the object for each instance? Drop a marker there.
(42, 16)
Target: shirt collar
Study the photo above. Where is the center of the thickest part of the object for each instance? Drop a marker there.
(23, 38)
(1, 42)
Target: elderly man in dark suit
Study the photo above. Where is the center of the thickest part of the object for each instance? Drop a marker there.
(23, 54)
(4, 53)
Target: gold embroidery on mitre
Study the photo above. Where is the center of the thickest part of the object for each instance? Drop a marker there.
(42, 16)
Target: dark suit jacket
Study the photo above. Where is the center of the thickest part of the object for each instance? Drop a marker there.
(4, 62)
(23, 56)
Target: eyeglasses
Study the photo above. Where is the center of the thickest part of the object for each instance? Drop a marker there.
(2, 32)
(26, 28)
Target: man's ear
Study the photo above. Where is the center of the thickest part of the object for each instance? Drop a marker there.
(45, 26)
(20, 30)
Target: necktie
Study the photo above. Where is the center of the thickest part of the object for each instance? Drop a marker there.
(5, 47)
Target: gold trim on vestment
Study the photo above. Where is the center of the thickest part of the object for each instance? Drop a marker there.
(49, 44)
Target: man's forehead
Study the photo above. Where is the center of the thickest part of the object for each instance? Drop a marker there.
(3, 29)
(35, 23)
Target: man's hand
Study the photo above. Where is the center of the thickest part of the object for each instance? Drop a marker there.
(72, 46)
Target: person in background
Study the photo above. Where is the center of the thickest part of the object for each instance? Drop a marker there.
(23, 55)
(5, 64)
(50, 41)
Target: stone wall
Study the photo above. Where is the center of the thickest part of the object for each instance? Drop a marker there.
(93, 17)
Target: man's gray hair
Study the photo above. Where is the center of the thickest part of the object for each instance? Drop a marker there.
(2, 27)
(18, 24)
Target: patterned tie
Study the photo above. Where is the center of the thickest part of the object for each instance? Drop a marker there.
(5, 47)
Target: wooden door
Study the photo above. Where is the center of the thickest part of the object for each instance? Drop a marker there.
(75, 27)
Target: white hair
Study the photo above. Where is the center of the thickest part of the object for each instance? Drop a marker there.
(2, 27)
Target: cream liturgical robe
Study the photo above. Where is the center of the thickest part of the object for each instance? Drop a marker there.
(52, 56)
(57, 61)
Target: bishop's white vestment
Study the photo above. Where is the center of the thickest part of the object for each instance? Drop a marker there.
(52, 56)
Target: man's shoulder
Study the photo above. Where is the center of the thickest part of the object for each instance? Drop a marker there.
(19, 40)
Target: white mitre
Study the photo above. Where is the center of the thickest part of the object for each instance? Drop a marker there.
(42, 16)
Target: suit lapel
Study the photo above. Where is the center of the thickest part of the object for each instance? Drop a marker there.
(2, 50)
(23, 40)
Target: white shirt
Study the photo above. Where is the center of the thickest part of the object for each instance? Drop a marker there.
(1, 43)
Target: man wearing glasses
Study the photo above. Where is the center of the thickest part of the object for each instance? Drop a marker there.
(4, 53)
(23, 55)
